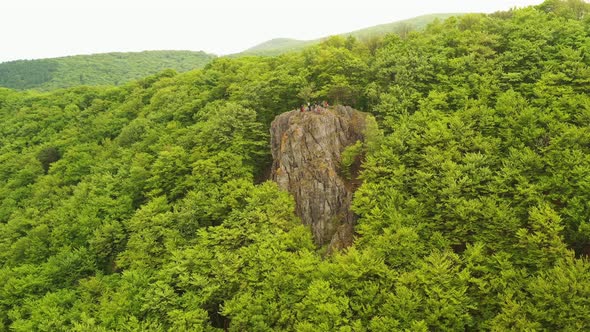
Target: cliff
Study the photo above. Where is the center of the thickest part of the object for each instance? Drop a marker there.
(306, 150)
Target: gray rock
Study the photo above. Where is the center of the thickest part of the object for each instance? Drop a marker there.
(306, 150)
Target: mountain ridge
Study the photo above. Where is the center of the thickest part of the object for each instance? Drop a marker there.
(277, 46)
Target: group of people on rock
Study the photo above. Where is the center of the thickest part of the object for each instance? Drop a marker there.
(316, 107)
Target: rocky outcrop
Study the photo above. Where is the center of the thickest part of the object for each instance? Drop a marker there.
(306, 150)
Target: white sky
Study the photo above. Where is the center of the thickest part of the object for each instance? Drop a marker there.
(32, 29)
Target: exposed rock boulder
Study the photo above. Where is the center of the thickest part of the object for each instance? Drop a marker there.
(306, 150)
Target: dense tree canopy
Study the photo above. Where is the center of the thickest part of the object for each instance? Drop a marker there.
(144, 207)
(95, 69)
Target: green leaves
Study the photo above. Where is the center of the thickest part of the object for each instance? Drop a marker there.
(232, 128)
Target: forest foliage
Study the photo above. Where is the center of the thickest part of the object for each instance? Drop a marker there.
(96, 69)
(144, 207)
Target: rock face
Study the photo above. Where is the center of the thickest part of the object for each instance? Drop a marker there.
(306, 150)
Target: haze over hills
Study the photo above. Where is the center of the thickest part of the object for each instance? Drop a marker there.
(282, 45)
(96, 69)
(119, 68)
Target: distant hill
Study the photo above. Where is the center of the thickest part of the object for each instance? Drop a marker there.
(96, 69)
(282, 45)
(119, 68)
(277, 46)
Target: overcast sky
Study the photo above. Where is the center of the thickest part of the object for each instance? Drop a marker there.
(33, 29)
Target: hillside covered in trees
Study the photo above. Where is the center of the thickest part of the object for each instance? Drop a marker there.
(283, 45)
(144, 207)
(96, 69)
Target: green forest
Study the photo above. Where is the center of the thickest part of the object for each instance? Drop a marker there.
(145, 206)
(95, 69)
